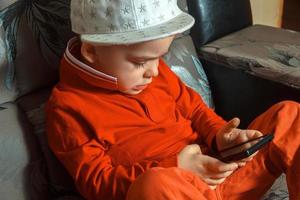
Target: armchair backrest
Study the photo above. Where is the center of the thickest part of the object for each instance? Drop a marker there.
(217, 18)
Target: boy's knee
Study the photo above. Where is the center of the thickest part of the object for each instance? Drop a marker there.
(288, 104)
(148, 184)
(291, 108)
(150, 180)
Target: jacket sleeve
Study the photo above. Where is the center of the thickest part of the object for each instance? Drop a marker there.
(204, 120)
(87, 158)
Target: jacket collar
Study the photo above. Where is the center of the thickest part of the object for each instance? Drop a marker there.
(73, 66)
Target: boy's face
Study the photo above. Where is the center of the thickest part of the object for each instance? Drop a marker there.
(134, 66)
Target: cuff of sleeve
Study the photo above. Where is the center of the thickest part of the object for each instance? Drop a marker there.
(213, 132)
(169, 162)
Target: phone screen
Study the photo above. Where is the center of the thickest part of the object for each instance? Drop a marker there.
(244, 149)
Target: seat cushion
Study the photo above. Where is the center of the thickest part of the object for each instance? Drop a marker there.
(278, 190)
(21, 174)
(60, 182)
(263, 51)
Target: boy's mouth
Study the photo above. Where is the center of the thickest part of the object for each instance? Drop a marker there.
(140, 87)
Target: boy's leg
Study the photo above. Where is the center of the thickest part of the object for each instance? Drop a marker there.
(169, 183)
(281, 155)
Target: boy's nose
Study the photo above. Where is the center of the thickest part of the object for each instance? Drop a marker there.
(151, 72)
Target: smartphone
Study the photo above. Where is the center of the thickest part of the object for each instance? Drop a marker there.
(238, 152)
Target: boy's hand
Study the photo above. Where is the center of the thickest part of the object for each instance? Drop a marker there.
(230, 135)
(209, 169)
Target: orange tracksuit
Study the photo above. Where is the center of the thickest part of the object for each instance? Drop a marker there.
(106, 139)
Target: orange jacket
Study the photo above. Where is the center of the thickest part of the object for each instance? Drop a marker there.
(106, 139)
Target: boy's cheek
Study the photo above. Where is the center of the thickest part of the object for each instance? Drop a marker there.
(124, 86)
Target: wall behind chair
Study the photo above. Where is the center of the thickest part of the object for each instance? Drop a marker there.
(267, 12)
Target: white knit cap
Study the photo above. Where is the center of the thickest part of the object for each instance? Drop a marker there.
(127, 21)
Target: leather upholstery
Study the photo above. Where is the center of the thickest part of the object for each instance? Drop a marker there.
(216, 18)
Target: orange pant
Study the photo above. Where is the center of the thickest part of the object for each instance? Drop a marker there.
(247, 183)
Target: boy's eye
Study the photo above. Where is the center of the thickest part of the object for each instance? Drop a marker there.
(139, 65)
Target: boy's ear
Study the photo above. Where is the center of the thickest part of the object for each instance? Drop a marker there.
(88, 52)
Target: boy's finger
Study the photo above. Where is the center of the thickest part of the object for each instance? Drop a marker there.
(218, 166)
(194, 148)
(235, 122)
(213, 182)
(253, 134)
(227, 167)
(220, 175)
(241, 164)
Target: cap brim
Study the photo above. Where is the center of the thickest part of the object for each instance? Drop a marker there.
(177, 25)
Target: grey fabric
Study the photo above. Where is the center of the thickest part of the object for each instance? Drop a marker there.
(183, 60)
(15, 156)
(7, 94)
(35, 33)
(59, 182)
(6, 3)
(278, 191)
(182, 5)
(266, 52)
(44, 73)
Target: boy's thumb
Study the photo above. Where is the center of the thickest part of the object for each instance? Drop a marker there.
(193, 149)
(235, 122)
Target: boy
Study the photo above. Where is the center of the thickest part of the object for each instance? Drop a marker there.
(125, 126)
